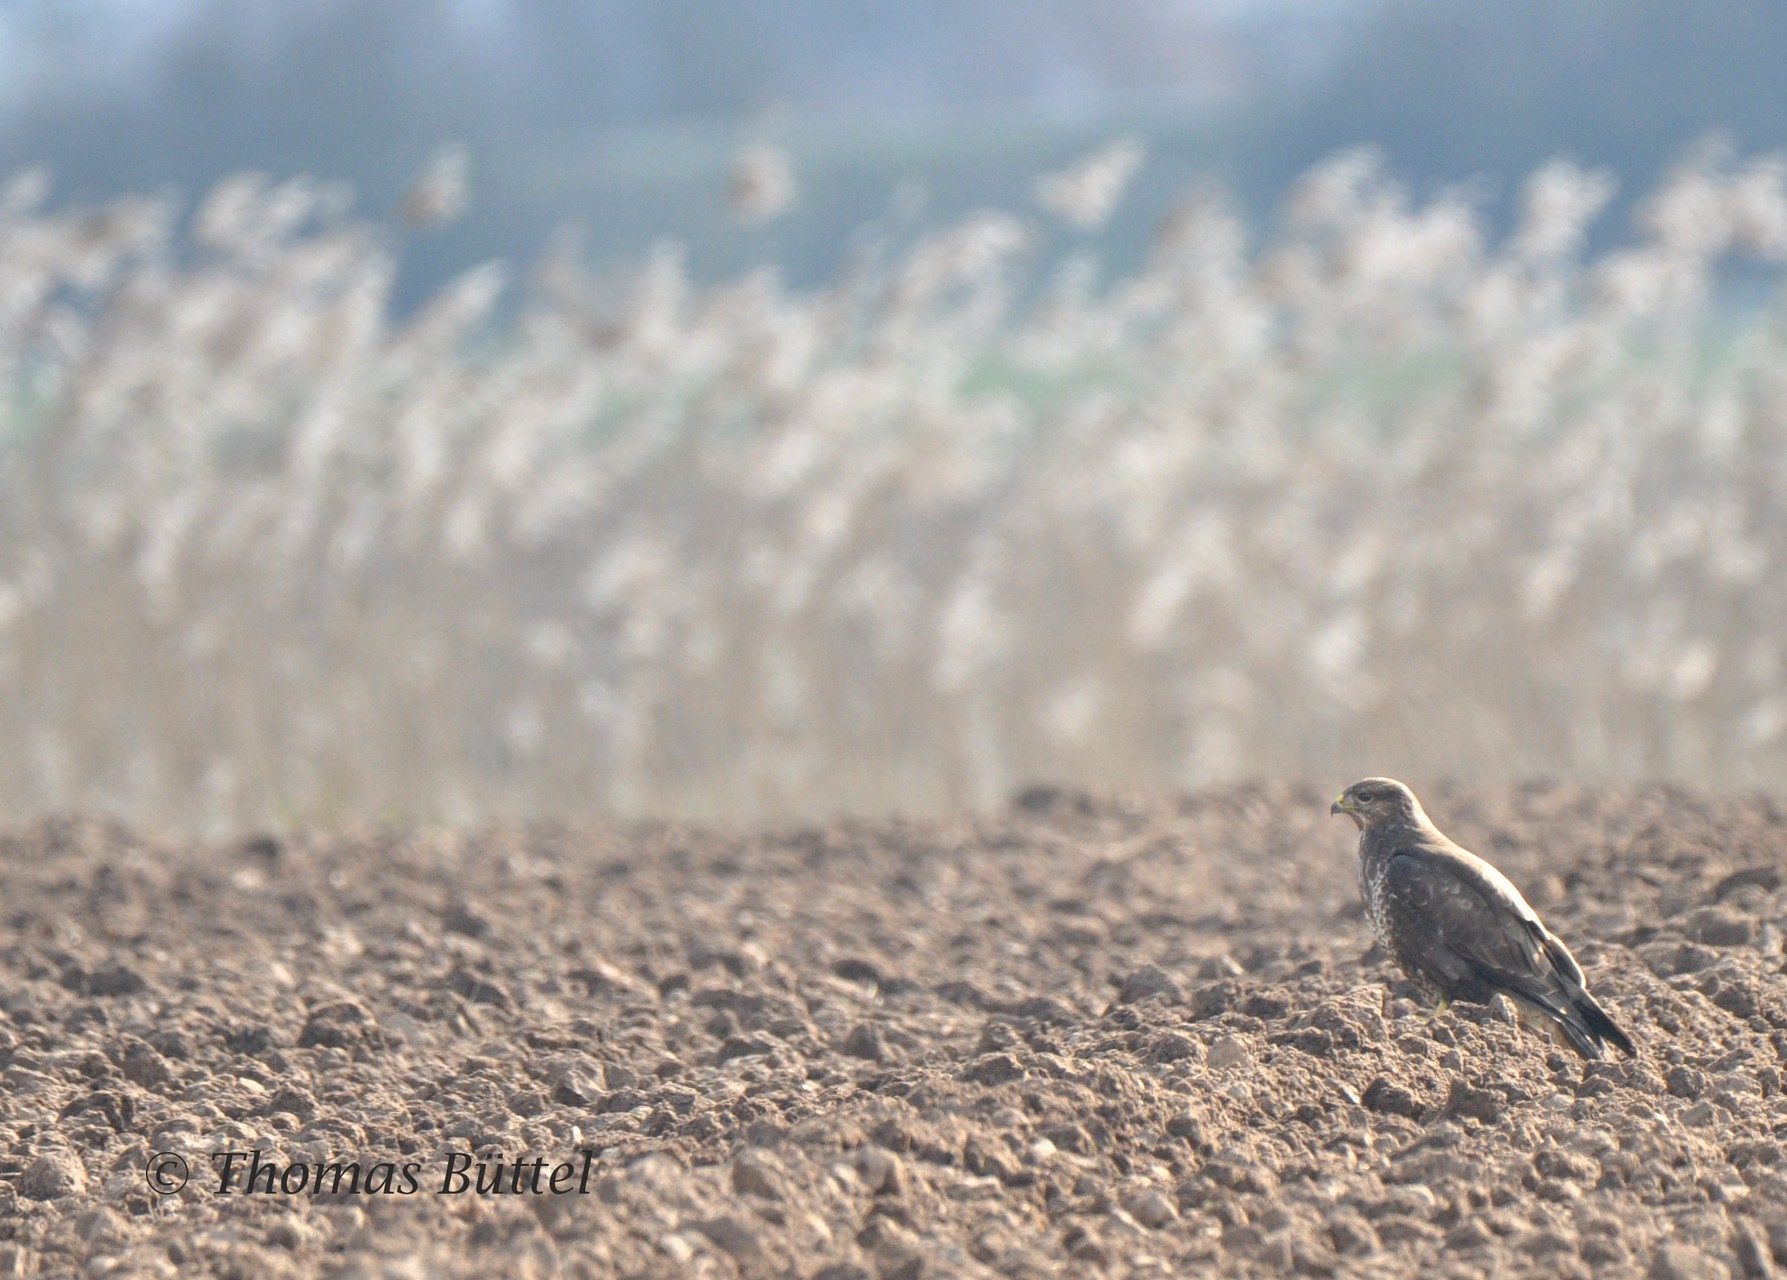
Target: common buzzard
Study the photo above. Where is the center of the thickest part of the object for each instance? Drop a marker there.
(1458, 928)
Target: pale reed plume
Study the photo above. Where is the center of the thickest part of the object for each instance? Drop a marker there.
(1383, 484)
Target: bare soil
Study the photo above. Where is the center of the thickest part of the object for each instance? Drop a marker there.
(1087, 1036)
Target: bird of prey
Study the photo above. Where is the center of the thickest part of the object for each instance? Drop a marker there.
(1458, 928)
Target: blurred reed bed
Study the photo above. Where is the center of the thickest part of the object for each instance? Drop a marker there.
(1374, 490)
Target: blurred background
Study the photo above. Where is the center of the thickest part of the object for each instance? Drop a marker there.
(624, 116)
(761, 409)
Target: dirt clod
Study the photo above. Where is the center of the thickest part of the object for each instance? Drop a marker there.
(1229, 1051)
(1150, 980)
(54, 1175)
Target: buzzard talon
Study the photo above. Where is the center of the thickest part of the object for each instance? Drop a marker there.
(1459, 929)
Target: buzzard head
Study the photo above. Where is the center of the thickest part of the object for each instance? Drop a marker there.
(1377, 800)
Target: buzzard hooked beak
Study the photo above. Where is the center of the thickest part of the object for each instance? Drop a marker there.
(1344, 804)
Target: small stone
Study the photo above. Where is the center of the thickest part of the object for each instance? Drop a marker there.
(1603, 1251)
(879, 1170)
(1390, 1099)
(732, 1236)
(757, 1173)
(994, 1068)
(600, 978)
(1742, 999)
(1352, 1234)
(1151, 1209)
(1047, 1009)
(1701, 1113)
(1764, 877)
(1228, 1051)
(1172, 1046)
(577, 1084)
(1686, 1082)
(468, 985)
(1684, 1262)
(1401, 1228)
(1691, 958)
(1214, 998)
(464, 919)
(262, 848)
(292, 1233)
(619, 1101)
(1070, 1137)
(1469, 1234)
(115, 980)
(144, 1066)
(1053, 801)
(1085, 1246)
(1482, 1105)
(1311, 1040)
(338, 1025)
(1150, 980)
(1270, 1006)
(1545, 1242)
(678, 1100)
(856, 969)
(753, 1046)
(1248, 1176)
(52, 1176)
(1719, 926)
(101, 1229)
(865, 1041)
(1431, 1166)
(1417, 1200)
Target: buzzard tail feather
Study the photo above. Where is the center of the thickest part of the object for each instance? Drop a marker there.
(1569, 1021)
(1583, 1023)
(1602, 1027)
